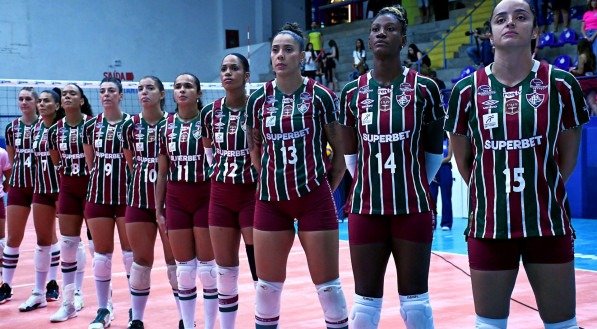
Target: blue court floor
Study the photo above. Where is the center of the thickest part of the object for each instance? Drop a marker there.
(453, 241)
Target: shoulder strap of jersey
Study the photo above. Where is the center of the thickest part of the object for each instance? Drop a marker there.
(217, 104)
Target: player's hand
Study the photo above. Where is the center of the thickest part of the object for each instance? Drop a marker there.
(161, 219)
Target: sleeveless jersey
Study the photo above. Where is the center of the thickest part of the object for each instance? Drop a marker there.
(390, 177)
(516, 189)
(20, 136)
(68, 141)
(46, 174)
(228, 131)
(141, 139)
(293, 160)
(107, 182)
(181, 142)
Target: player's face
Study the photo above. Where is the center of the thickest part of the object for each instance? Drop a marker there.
(71, 98)
(232, 73)
(46, 105)
(512, 24)
(110, 96)
(286, 55)
(149, 93)
(385, 36)
(26, 102)
(185, 90)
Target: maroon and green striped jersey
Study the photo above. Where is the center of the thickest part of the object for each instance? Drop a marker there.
(46, 174)
(228, 131)
(107, 182)
(390, 178)
(293, 160)
(20, 136)
(516, 189)
(180, 140)
(141, 138)
(68, 141)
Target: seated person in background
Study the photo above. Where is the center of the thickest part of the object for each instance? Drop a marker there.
(586, 66)
(440, 83)
(415, 58)
(481, 52)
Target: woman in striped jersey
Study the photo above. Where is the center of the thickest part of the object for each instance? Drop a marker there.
(290, 120)
(141, 147)
(106, 193)
(183, 186)
(394, 121)
(233, 182)
(515, 126)
(66, 150)
(19, 145)
(45, 195)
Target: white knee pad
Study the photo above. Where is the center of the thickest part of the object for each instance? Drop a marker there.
(186, 272)
(102, 267)
(81, 258)
(207, 274)
(68, 248)
(416, 311)
(228, 280)
(487, 323)
(267, 299)
(568, 324)
(127, 259)
(42, 258)
(171, 272)
(332, 301)
(140, 277)
(365, 313)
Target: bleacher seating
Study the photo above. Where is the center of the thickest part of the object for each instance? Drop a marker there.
(563, 62)
(464, 73)
(568, 36)
(548, 39)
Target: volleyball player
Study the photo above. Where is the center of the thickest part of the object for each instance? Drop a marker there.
(290, 119)
(183, 186)
(233, 182)
(393, 150)
(106, 193)
(45, 195)
(66, 150)
(19, 142)
(6, 169)
(515, 126)
(141, 147)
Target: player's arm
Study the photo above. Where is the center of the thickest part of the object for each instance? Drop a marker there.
(463, 154)
(89, 155)
(333, 133)
(5, 185)
(128, 156)
(11, 153)
(254, 140)
(567, 146)
(160, 190)
(208, 149)
(448, 158)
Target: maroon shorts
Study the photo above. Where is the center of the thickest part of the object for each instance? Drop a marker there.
(96, 210)
(20, 196)
(366, 229)
(505, 254)
(232, 205)
(139, 215)
(73, 191)
(315, 211)
(187, 205)
(48, 199)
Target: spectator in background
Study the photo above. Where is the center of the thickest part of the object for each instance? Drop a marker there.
(588, 26)
(440, 83)
(331, 60)
(586, 66)
(359, 57)
(310, 69)
(315, 38)
(443, 180)
(560, 7)
(540, 7)
(481, 53)
(424, 10)
(416, 59)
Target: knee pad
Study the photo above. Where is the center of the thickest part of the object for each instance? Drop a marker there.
(332, 301)
(487, 323)
(207, 274)
(568, 324)
(171, 272)
(127, 259)
(267, 299)
(416, 311)
(68, 248)
(365, 313)
(140, 277)
(42, 258)
(102, 267)
(228, 280)
(2, 245)
(81, 257)
(185, 274)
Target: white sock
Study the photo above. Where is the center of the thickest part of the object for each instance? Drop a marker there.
(41, 259)
(9, 262)
(54, 261)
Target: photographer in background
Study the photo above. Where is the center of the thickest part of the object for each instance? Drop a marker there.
(481, 53)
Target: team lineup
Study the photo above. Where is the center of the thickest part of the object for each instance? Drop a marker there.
(255, 167)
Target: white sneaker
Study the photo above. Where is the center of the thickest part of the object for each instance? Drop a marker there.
(111, 308)
(102, 319)
(35, 301)
(67, 310)
(79, 302)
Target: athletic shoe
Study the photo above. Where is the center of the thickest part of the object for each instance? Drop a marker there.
(79, 302)
(67, 310)
(52, 291)
(102, 319)
(5, 293)
(136, 324)
(445, 228)
(35, 301)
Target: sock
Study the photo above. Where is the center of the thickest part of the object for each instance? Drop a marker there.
(102, 272)
(186, 273)
(81, 263)
(206, 270)
(54, 262)
(267, 304)
(568, 324)
(9, 263)
(69, 259)
(127, 259)
(228, 295)
(2, 245)
(140, 284)
(41, 259)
